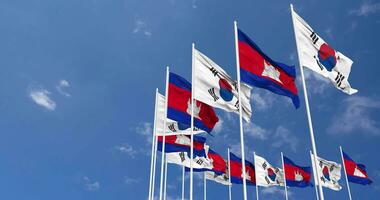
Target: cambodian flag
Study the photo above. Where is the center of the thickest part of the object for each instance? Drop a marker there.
(258, 70)
(179, 106)
(356, 172)
(236, 171)
(296, 176)
(181, 143)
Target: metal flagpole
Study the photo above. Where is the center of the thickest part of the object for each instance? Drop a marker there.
(163, 138)
(204, 186)
(183, 182)
(229, 175)
(153, 141)
(314, 177)
(154, 166)
(192, 121)
(345, 173)
(283, 168)
(257, 187)
(166, 178)
(240, 113)
(307, 108)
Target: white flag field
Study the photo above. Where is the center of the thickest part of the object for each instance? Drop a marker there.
(266, 174)
(315, 54)
(217, 89)
(329, 173)
(172, 127)
(183, 159)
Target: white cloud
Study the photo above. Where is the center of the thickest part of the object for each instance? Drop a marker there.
(41, 97)
(218, 127)
(127, 149)
(274, 191)
(141, 27)
(62, 84)
(256, 131)
(316, 84)
(91, 185)
(355, 115)
(145, 129)
(283, 137)
(129, 180)
(366, 8)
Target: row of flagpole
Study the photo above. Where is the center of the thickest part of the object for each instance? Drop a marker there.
(163, 172)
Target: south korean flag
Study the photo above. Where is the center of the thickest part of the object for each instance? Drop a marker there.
(216, 88)
(329, 173)
(266, 174)
(315, 54)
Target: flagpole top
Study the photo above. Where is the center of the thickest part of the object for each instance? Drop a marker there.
(156, 90)
(291, 6)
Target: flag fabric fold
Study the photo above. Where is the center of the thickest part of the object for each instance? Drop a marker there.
(217, 89)
(237, 171)
(295, 175)
(329, 173)
(315, 54)
(259, 70)
(172, 127)
(179, 105)
(266, 174)
(356, 173)
(182, 143)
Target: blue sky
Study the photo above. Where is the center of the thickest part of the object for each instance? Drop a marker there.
(78, 78)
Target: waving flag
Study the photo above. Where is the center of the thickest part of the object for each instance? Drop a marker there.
(183, 159)
(219, 178)
(317, 55)
(219, 165)
(216, 88)
(182, 143)
(296, 176)
(236, 171)
(356, 172)
(172, 127)
(258, 70)
(329, 173)
(179, 105)
(266, 174)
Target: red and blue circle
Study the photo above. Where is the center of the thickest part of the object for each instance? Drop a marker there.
(326, 56)
(326, 173)
(225, 90)
(271, 174)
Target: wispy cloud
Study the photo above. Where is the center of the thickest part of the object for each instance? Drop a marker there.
(366, 8)
(316, 84)
(355, 115)
(130, 180)
(41, 97)
(283, 137)
(91, 185)
(256, 131)
(62, 84)
(142, 28)
(127, 149)
(262, 100)
(194, 4)
(274, 191)
(145, 129)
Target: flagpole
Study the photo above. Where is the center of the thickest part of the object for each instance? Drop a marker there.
(240, 113)
(257, 187)
(154, 166)
(166, 177)
(345, 172)
(314, 176)
(283, 167)
(164, 133)
(307, 108)
(192, 121)
(153, 141)
(204, 186)
(183, 182)
(229, 175)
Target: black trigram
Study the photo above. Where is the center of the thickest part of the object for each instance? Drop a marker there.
(339, 79)
(172, 128)
(214, 71)
(199, 162)
(264, 165)
(237, 105)
(182, 156)
(267, 180)
(314, 37)
(212, 93)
